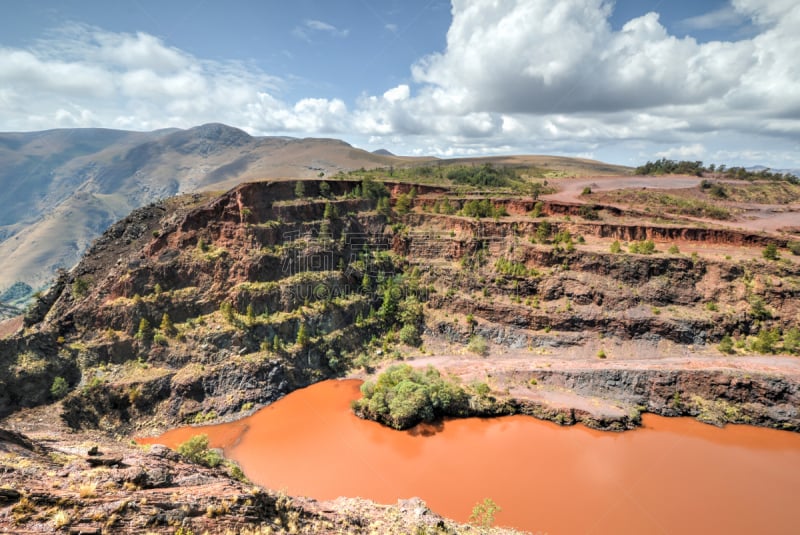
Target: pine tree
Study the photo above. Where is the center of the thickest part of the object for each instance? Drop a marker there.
(167, 327)
(302, 336)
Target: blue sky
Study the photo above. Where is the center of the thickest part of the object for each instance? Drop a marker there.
(622, 81)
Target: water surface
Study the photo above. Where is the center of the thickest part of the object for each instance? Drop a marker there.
(675, 475)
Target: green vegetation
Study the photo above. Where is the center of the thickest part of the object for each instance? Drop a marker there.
(766, 341)
(482, 208)
(299, 190)
(642, 247)
(673, 249)
(59, 388)
(167, 328)
(483, 513)
(478, 345)
(485, 175)
(726, 345)
(145, 331)
(615, 247)
(770, 252)
(80, 287)
(683, 167)
(197, 451)
(403, 396)
(303, 338)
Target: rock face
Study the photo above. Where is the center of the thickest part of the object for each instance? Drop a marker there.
(238, 276)
(202, 307)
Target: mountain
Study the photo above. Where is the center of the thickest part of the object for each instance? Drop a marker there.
(61, 188)
(382, 152)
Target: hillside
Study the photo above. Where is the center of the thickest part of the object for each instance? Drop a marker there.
(62, 188)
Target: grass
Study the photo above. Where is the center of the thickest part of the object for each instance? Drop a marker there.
(88, 490)
(669, 203)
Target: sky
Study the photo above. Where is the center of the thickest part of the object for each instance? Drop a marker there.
(622, 81)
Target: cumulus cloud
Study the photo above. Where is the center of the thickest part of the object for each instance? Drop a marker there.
(515, 76)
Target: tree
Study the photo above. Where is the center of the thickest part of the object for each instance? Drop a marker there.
(615, 247)
(303, 337)
(299, 190)
(325, 189)
(330, 211)
(145, 332)
(543, 232)
(167, 327)
(403, 205)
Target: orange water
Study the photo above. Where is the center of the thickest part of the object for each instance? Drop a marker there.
(671, 476)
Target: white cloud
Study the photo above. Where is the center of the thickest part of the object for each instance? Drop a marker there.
(684, 152)
(310, 26)
(723, 17)
(516, 76)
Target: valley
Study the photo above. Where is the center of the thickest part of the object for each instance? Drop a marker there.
(531, 294)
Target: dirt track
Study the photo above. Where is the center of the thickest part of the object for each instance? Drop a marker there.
(766, 217)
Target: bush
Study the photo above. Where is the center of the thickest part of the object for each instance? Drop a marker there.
(794, 247)
(196, 450)
(409, 334)
(726, 345)
(586, 191)
(766, 340)
(402, 397)
(477, 344)
(615, 247)
(674, 249)
(642, 247)
(791, 340)
(483, 513)
(59, 388)
(770, 252)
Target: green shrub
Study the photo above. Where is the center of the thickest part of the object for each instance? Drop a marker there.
(615, 247)
(794, 247)
(642, 247)
(673, 249)
(299, 190)
(765, 341)
(196, 450)
(726, 345)
(409, 334)
(586, 191)
(791, 340)
(770, 252)
(483, 513)
(478, 345)
(402, 396)
(59, 388)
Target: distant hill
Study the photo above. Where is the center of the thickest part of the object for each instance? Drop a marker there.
(61, 188)
(382, 152)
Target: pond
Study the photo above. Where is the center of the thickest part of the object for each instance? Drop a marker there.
(674, 475)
